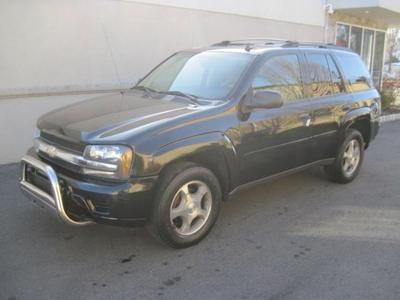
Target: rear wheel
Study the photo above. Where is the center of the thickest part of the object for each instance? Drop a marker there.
(349, 159)
(187, 205)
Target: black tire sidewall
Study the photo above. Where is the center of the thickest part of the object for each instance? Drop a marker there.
(165, 194)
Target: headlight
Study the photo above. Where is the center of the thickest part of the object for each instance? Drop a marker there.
(108, 161)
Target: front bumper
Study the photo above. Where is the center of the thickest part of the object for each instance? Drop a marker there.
(52, 200)
(78, 201)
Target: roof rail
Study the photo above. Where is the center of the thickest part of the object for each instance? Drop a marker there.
(253, 41)
(281, 42)
(316, 45)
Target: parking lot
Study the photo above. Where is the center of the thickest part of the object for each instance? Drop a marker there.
(300, 237)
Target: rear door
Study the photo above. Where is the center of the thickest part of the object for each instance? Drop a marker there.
(329, 100)
(278, 139)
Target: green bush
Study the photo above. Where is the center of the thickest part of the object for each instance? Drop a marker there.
(388, 98)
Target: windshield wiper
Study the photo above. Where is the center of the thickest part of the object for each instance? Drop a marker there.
(144, 88)
(192, 98)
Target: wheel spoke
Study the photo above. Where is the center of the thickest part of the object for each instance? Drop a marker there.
(179, 210)
(198, 196)
(185, 227)
(185, 192)
(351, 149)
(346, 165)
(202, 213)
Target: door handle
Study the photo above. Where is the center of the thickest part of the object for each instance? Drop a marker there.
(306, 118)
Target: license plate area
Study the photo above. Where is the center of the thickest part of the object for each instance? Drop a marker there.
(37, 178)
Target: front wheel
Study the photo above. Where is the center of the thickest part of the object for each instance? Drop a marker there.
(349, 159)
(187, 205)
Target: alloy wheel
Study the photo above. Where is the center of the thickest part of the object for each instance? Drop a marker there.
(191, 207)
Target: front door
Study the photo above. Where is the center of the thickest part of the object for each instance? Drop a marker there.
(277, 139)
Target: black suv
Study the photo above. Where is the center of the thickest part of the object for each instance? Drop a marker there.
(201, 125)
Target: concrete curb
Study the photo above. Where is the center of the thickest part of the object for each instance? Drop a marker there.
(389, 118)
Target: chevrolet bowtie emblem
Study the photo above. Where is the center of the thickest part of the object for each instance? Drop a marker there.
(51, 151)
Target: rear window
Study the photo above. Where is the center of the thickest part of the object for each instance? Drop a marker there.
(355, 71)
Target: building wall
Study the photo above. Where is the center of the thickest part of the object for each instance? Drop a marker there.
(283, 10)
(18, 118)
(55, 50)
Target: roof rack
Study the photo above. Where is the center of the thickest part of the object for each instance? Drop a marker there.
(252, 42)
(315, 45)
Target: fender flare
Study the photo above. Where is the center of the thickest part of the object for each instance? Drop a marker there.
(215, 146)
(362, 113)
(354, 115)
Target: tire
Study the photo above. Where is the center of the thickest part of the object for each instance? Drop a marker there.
(187, 204)
(340, 172)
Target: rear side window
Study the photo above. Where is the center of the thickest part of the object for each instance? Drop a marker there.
(281, 73)
(318, 70)
(355, 71)
(337, 80)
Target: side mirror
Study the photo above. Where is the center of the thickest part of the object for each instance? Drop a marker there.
(263, 99)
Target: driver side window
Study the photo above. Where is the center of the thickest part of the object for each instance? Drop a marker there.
(281, 73)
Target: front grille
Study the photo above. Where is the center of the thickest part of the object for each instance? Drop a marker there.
(59, 163)
(63, 143)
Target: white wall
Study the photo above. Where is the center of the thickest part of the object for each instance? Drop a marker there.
(308, 12)
(58, 46)
(18, 121)
(64, 45)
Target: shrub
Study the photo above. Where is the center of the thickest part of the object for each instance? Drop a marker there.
(388, 98)
(390, 92)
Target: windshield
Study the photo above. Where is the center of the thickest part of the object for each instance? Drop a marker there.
(208, 75)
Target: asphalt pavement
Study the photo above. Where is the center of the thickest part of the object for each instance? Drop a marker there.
(300, 237)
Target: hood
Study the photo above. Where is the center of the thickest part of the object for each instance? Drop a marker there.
(109, 115)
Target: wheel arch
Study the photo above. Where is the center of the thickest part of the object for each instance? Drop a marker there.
(359, 119)
(213, 151)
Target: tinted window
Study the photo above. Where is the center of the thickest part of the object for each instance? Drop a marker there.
(337, 80)
(281, 73)
(209, 74)
(319, 73)
(355, 71)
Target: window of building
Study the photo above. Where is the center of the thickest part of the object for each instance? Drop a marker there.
(355, 71)
(342, 35)
(318, 71)
(356, 39)
(379, 52)
(337, 80)
(368, 43)
(281, 73)
(368, 46)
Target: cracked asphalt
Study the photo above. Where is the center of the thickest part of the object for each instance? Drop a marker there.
(300, 237)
